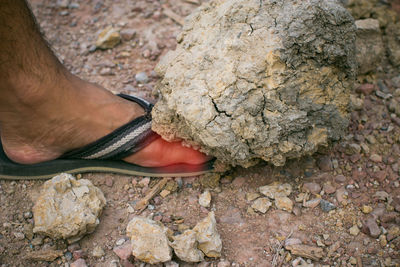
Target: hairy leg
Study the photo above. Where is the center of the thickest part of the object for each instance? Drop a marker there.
(46, 111)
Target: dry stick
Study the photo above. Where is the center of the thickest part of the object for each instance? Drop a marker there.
(278, 248)
(194, 2)
(359, 262)
(171, 14)
(142, 204)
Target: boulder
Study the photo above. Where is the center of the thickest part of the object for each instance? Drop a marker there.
(67, 208)
(253, 80)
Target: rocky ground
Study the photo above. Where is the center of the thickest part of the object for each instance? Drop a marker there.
(340, 207)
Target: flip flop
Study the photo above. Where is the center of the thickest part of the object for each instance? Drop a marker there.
(104, 155)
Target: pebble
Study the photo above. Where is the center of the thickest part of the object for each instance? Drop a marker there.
(326, 206)
(128, 34)
(312, 203)
(261, 204)
(252, 196)
(375, 158)
(109, 181)
(28, 215)
(98, 252)
(68, 256)
(108, 38)
(382, 241)
(37, 241)
(106, 71)
(372, 227)
(284, 203)
(144, 182)
(340, 178)
(366, 89)
(142, 77)
(275, 190)
(354, 230)
(366, 209)
(205, 199)
(123, 251)
(79, 263)
(328, 188)
(312, 187)
(164, 193)
(341, 195)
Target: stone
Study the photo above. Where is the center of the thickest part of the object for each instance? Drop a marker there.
(366, 209)
(208, 237)
(354, 230)
(284, 203)
(205, 199)
(108, 38)
(369, 45)
(312, 203)
(79, 263)
(67, 208)
(128, 34)
(219, 94)
(306, 251)
(328, 188)
(261, 204)
(98, 252)
(382, 241)
(375, 158)
(123, 251)
(356, 102)
(393, 43)
(275, 190)
(149, 240)
(252, 196)
(372, 228)
(142, 77)
(311, 187)
(210, 180)
(366, 89)
(326, 206)
(185, 247)
(44, 255)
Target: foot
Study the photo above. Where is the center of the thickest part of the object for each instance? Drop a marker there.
(42, 127)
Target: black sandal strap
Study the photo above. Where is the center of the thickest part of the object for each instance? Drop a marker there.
(124, 141)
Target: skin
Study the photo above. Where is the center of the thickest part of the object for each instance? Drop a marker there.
(46, 111)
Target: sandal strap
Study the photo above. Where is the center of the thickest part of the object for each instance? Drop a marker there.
(124, 141)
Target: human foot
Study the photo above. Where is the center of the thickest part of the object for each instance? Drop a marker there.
(42, 127)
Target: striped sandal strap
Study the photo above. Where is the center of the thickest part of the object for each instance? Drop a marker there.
(124, 141)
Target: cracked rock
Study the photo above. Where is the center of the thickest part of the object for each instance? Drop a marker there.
(185, 247)
(67, 208)
(252, 81)
(208, 237)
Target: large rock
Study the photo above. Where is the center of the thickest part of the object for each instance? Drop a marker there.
(393, 43)
(370, 50)
(207, 236)
(149, 240)
(67, 208)
(254, 79)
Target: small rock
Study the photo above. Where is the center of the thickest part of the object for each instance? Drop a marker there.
(144, 182)
(326, 206)
(205, 199)
(62, 3)
(340, 178)
(382, 241)
(261, 204)
(171, 264)
(354, 230)
(142, 77)
(123, 251)
(341, 195)
(366, 89)
(375, 158)
(19, 235)
(210, 180)
(207, 236)
(372, 228)
(28, 215)
(275, 190)
(128, 34)
(44, 255)
(284, 203)
(314, 188)
(164, 193)
(356, 102)
(306, 251)
(381, 195)
(224, 264)
(108, 38)
(185, 247)
(109, 181)
(67, 208)
(252, 196)
(366, 209)
(328, 188)
(292, 241)
(98, 252)
(312, 203)
(106, 71)
(79, 263)
(37, 241)
(325, 164)
(149, 240)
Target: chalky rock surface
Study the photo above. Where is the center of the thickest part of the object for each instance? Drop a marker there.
(149, 240)
(67, 208)
(254, 79)
(208, 237)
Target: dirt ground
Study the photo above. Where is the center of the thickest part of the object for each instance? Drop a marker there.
(359, 175)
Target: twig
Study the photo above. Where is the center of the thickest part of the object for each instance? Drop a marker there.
(142, 204)
(277, 249)
(171, 14)
(359, 262)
